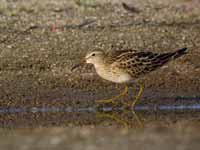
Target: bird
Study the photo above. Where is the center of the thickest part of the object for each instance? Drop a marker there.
(125, 66)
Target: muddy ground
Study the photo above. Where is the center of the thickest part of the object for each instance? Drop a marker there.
(41, 40)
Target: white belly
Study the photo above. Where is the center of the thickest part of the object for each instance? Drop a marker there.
(116, 76)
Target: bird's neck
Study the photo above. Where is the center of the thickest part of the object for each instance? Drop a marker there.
(100, 65)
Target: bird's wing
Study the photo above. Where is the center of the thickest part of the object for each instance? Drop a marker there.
(116, 55)
(138, 63)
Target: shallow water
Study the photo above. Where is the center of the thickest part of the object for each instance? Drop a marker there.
(181, 107)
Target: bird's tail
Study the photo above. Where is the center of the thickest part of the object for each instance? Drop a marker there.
(172, 55)
(162, 59)
(179, 52)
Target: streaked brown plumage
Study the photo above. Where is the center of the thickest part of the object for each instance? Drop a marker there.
(128, 65)
(141, 63)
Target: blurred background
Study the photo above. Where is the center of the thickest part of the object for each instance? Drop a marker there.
(43, 104)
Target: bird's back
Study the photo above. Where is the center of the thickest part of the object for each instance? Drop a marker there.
(140, 63)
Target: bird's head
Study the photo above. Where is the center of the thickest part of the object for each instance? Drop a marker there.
(95, 57)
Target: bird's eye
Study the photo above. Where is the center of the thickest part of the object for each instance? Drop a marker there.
(93, 54)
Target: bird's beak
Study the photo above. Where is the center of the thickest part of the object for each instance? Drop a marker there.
(82, 62)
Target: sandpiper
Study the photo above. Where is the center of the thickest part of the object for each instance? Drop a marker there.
(127, 65)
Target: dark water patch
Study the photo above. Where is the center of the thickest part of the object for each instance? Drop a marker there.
(183, 107)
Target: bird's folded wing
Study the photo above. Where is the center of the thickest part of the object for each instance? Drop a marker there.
(139, 63)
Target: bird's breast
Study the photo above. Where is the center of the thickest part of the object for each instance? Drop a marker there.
(113, 74)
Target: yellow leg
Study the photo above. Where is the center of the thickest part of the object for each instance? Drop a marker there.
(137, 98)
(114, 117)
(123, 93)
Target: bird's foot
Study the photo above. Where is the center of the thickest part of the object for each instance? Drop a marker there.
(105, 101)
(112, 100)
